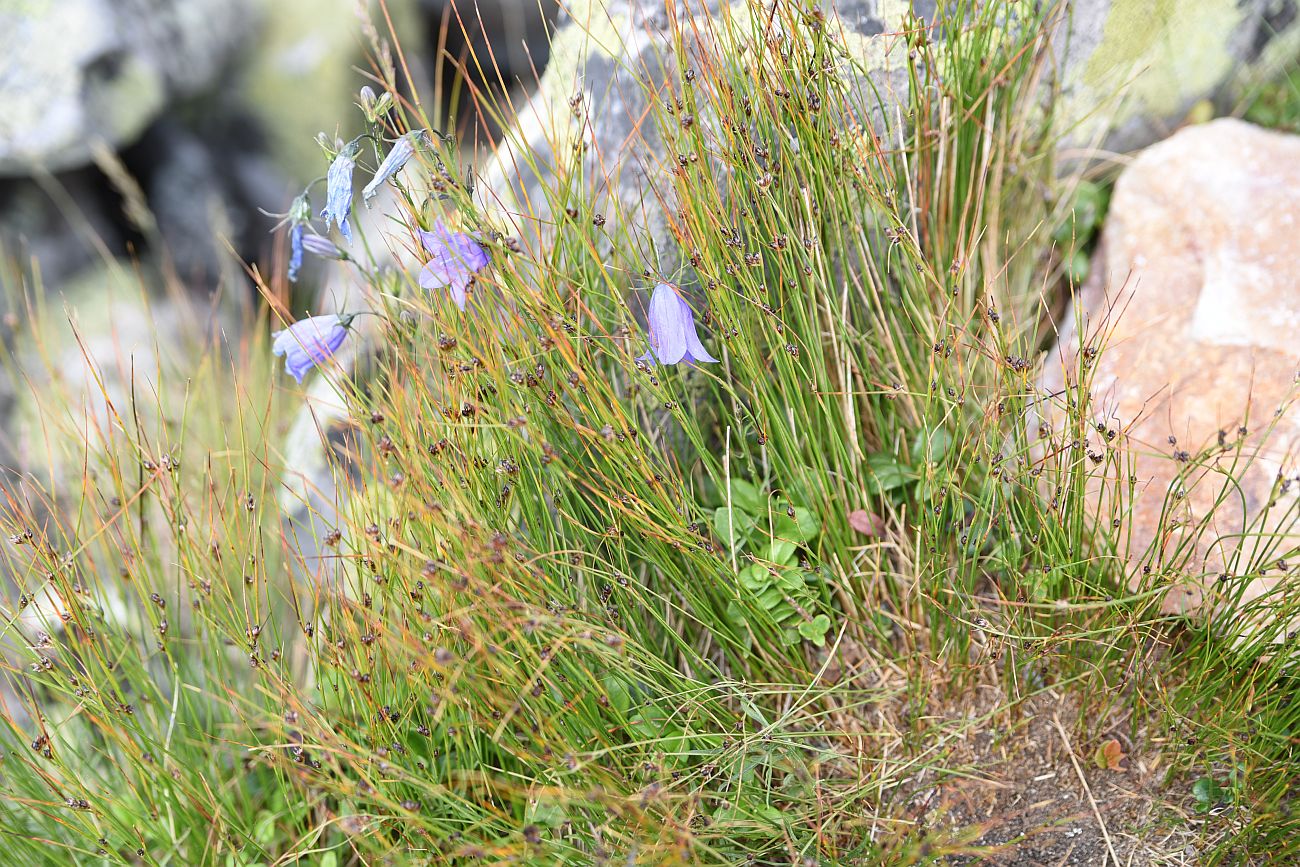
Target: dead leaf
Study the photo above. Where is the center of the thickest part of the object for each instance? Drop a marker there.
(1110, 756)
(867, 523)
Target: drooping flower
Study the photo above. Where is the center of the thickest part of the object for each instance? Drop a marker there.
(296, 231)
(309, 342)
(403, 150)
(338, 183)
(318, 245)
(673, 337)
(298, 217)
(454, 259)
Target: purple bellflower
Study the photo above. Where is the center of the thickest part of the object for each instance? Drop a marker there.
(319, 245)
(296, 231)
(309, 342)
(338, 183)
(673, 337)
(454, 259)
(403, 150)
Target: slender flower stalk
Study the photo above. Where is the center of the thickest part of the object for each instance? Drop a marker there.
(403, 149)
(338, 195)
(673, 337)
(310, 342)
(454, 259)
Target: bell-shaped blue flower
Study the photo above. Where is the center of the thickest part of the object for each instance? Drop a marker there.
(296, 232)
(309, 342)
(323, 247)
(403, 150)
(298, 217)
(338, 189)
(454, 259)
(673, 337)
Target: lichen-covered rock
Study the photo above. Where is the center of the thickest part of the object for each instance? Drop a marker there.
(589, 122)
(1130, 71)
(1133, 68)
(1193, 311)
(74, 73)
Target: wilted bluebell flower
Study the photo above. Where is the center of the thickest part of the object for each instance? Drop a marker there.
(309, 342)
(403, 150)
(298, 217)
(296, 232)
(319, 245)
(454, 259)
(672, 330)
(338, 183)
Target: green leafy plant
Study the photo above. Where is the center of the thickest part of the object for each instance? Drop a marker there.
(777, 580)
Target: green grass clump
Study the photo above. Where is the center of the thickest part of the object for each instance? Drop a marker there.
(573, 608)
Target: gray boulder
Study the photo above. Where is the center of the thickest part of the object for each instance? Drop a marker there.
(1133, 69)
(75, 73)
(1130, 70)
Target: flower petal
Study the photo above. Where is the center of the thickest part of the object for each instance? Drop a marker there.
(434, 275)
(695, 351)
(668, 324)
(309, 342)
(403, 150)
(454, 258)
(458, 286)
(295, 250)
(321, 246)
(338, 193)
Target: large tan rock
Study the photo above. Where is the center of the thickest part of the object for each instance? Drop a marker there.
(1195, 309)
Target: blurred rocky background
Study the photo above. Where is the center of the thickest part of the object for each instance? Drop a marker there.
(142, 140)
(210, 107)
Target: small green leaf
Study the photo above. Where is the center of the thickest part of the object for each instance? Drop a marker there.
(932, 445)
(617, 692)
(748, 814)
(1206, 792)
(782, 551)
(815, 630)
(653, 723)
(264, 828)
(735, 615)
(790, 637)
(1090, 201)
(885, 474)
(329, 859)
(722, 522)
(803, 527)
(746, 497)
(751, 710)
(791, 580)
(754, 577)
